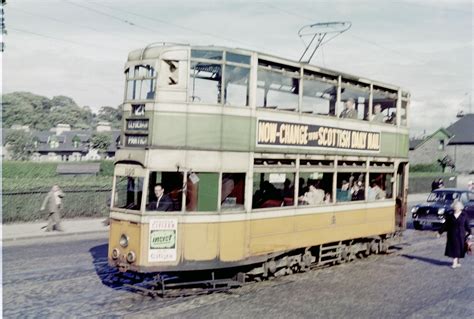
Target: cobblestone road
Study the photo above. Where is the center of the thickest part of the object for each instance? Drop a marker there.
(57, 278)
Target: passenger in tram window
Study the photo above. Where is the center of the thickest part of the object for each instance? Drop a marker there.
(349, 111)
(378, 116)
(357, 191)
(314, 196)
(163, 201)
(375, 192)
(392, 119)
(327, 198)
(345, 185)
(288, 189)
(267, 196)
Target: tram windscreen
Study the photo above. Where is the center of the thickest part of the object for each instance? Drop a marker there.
(128, 192)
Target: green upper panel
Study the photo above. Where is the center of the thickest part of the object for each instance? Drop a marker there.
(238, 133)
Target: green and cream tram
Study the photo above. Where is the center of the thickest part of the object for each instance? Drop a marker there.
(254, 160)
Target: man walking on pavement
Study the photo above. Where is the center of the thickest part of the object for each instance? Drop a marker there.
(53, 202)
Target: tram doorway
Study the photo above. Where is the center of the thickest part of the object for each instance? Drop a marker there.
(401, 200)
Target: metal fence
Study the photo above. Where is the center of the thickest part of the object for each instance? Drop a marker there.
(24, 206)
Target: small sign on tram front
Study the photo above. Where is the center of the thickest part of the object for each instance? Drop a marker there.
(136, 140)
(137, 124)
(163, 240)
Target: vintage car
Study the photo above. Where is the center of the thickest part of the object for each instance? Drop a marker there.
(438, 204)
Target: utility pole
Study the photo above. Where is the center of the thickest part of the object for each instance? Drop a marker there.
(2, 25)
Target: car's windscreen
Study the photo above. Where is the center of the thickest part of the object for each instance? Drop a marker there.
(443, 196)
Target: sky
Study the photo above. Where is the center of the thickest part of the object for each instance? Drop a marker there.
(78, 48)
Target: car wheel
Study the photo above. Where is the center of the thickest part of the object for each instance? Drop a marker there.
(417, 225)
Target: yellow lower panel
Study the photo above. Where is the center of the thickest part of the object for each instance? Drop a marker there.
(132, 231)
(271, 226)
(200, 241)
(233, 241)
(316, 229)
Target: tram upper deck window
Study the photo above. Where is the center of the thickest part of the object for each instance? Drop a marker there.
(128, 192)
(386, 101)
(207, 54)
(403, 113)
(141, 82)
(165, 191)
(236, 89)
(358, 94)
(319, 94)
(277, 86)
(205, 83)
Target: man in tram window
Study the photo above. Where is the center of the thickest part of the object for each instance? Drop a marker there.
(163, 201)
(378, 116)
(349, 111)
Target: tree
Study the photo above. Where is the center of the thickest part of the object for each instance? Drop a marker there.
(20, 143)
(42, 113)
(101, 141)
(111, 115)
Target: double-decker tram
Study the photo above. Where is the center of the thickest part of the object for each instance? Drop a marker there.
(231, 157)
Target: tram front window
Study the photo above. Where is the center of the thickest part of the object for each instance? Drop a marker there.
(128, 192)
(140, 82)
(165, 191)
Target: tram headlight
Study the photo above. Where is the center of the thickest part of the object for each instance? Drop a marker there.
(414, 209)
(115, 253)
(131, 257)
(123, 240)
(441, 212)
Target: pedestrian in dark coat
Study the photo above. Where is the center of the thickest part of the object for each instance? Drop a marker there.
(457, 228)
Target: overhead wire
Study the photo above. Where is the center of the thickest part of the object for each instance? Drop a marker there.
(130, 23)
(190, 29)
(69, 23)
(55, 38)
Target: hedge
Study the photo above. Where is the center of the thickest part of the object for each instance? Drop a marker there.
(25, 185)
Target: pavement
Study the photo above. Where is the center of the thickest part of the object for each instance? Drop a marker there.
(18, 231)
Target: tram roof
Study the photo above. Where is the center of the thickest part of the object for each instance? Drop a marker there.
(155, 50)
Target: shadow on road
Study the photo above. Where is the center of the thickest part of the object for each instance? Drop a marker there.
(111, 277)
(428, 260)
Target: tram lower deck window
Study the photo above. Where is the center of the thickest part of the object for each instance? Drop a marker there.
(315, 188)
(381, 186)
(350, 187)
(273, 189)
(202, 192)
(232, 191)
